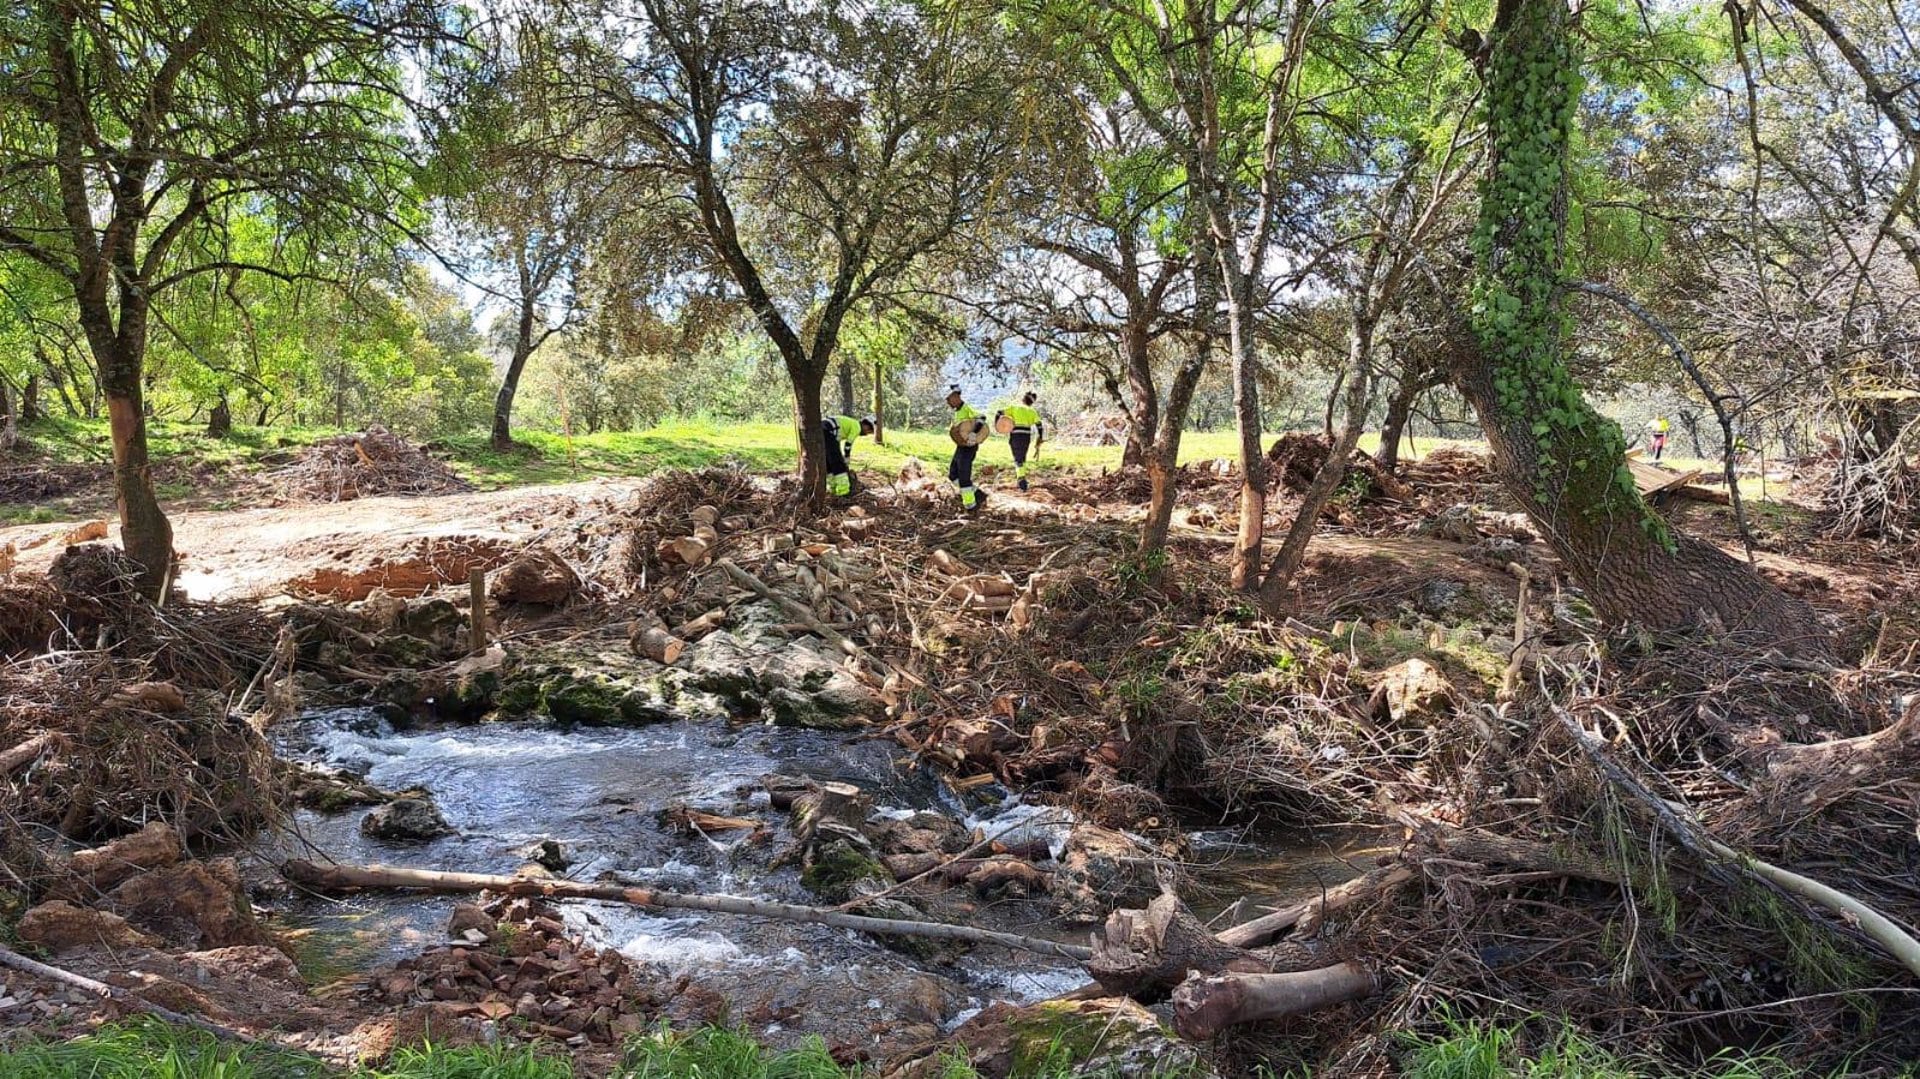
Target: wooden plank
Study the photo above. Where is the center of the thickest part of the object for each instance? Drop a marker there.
(1652, 479)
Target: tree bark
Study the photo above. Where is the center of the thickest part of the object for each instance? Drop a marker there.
(1205, 1006)
(145, 532)
(879, 405)
(1560, 459)
(1164, 458)
(1278, 583)
(1399, 410)
(30, 399)
(220, 419)
(845, 368)
(523, 345)
(1246, 416)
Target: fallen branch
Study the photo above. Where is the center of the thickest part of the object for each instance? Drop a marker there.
(345, 877)
(124, 997)
(25, 753)
(1267, 927)
(1205, 1006)
(1877, 926)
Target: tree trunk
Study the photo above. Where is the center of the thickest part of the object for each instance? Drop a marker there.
(1246, 414)
(1164, 459)
(510, 384)
(1359, 383)
(879, 404)
(811, 467)
(1143, 411)
(1559, 458)
(846, 387)
(220, 420)
(1399, 410)
(30, 399)
(144, 530)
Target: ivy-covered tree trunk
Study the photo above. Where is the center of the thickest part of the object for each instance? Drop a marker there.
(1562, 460)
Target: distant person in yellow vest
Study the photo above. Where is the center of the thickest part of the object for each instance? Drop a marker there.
(1026, 433)
(960, 471)
(1657, 430)
(840, 431)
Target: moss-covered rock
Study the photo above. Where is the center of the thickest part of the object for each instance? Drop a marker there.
(835, 868)
(404, 649)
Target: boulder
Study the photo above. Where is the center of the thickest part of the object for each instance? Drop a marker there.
(1107, 1037)
(1413, 692)
(1102, 870)
(470, 918)
(1457, 523)
(199, 904)
(405, 819)
(594, 700)
(436, 621)
(59, 926)
(538, 578)
(796, 684)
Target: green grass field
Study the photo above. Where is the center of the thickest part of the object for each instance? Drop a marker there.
(205, 473)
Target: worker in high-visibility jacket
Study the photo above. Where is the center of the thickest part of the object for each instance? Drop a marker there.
(960, 470)
(1027, 433)
(1657, 430)
(840, 431)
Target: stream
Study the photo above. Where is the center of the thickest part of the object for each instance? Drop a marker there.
(598, 792)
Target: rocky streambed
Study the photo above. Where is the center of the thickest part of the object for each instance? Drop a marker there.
(704, 778)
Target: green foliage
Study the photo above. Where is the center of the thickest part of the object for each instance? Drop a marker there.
(1533, 91)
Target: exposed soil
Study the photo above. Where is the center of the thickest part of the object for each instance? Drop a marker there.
(1017, 650)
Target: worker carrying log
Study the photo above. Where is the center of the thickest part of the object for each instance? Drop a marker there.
(1021, 424)
(840, 431)
(1657, 430)
(968, 430)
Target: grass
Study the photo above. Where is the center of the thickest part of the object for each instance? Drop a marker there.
(202, 468)
(148, 1050)
(1467, 1051)
(151, 1050)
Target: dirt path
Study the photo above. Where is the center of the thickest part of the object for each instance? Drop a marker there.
(240, 554)
(409, 543)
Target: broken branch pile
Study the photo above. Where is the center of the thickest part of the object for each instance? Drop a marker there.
(373, 462)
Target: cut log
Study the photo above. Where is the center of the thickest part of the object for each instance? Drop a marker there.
(151, 696)
(695, 628)
(351, 877)
(840, 804)
(806, 617)
(1205, 1005)
(1143, 952)
(656, 642)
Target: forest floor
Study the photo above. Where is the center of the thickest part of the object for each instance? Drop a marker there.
(1023, 651)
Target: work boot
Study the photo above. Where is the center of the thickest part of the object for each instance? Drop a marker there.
(979, 499)
(1023, 483)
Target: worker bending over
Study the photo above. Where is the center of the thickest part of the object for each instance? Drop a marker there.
(840, 431)
(1026, 433)
(968, 430)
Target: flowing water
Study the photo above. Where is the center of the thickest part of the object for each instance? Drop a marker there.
(598, 792)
